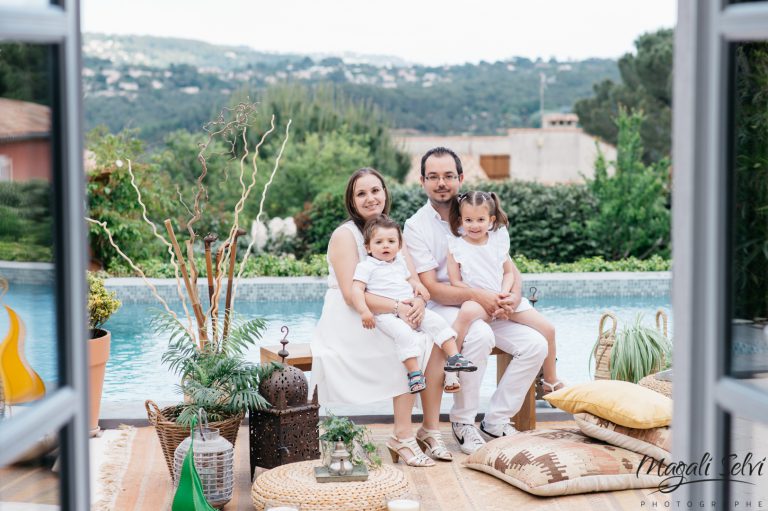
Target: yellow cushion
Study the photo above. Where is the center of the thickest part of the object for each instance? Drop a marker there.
(621, 402)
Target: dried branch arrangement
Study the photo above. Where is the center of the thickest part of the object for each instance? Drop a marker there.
(201, 324)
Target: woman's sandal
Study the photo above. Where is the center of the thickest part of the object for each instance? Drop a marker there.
(416, 382)
(457, 362)
(451, 383)
(409, 450)
(432, 443)
(552, 386)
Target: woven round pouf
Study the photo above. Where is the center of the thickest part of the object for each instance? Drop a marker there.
(654, 382)
(295, 483)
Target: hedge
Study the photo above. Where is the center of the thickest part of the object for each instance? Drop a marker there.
(548, 223)
(268, 265)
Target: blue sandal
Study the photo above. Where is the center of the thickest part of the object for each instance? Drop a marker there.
(457, 362)
(416, 382)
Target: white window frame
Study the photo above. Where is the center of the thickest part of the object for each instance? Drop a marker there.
(704, 396)
(64, 409)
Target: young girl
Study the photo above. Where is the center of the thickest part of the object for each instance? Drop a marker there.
(385, 273)
(479, 258)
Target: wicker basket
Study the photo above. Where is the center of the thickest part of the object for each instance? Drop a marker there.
(172, 434)
(605, 340)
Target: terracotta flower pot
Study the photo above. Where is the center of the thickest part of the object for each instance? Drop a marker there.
(98, 354)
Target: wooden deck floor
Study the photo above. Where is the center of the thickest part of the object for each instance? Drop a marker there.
(146, 483)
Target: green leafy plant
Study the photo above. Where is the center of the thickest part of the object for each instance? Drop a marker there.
(101, 303)
(356, 438)
(632, 216)
(638, 351)
(216, 378)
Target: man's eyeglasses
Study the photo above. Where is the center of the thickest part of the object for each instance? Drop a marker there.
(448, 178)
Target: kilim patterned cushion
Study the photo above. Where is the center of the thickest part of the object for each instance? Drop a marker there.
(656, 442)
(554, 462)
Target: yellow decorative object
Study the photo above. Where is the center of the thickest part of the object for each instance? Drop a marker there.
(20, 382)
(621, 402)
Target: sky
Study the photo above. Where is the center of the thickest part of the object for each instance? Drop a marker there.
(427, 32)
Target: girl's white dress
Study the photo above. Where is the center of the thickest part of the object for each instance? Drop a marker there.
(350, 364)
(482, 266)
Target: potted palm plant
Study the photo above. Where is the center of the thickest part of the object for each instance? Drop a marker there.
(101, 305)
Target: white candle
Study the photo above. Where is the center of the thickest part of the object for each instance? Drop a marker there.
(403, 505)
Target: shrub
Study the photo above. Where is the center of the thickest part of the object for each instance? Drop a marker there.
(28, 252)
(546, 222)
(101, 303)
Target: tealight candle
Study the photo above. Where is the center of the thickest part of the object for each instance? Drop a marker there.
(403, 505)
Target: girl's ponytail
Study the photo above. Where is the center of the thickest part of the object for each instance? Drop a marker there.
(501, 216)
(454, 214)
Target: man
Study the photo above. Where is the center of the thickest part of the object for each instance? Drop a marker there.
(426, 237)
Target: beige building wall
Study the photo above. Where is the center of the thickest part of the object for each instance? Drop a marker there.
(550, 155)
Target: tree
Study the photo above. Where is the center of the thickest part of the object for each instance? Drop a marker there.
(632, 218)
(324, 109)
(750, 182)
(112, 199)
(24, 72)
(321, 163)
(646, 86)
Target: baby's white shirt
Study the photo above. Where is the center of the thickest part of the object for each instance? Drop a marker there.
(385, 279)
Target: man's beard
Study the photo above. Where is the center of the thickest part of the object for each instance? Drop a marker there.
(442, 202)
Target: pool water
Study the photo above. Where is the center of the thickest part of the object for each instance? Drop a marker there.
(136, 351)
(135, 373)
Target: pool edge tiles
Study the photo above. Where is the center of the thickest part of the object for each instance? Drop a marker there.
(273, 289)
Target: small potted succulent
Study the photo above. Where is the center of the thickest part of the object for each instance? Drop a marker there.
(101, 305)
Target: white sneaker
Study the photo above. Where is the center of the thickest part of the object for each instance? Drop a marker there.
(498, 430)
(467, 436)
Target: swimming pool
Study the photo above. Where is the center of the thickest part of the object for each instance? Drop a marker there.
(134, 372)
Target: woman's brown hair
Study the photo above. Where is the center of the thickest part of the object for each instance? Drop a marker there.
(349, 195)
(476, 198)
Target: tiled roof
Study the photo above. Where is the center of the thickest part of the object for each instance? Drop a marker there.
(20, 120)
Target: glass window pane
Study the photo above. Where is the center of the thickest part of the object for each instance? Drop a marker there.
(31, 482)
(749, 212)
(29, 349)
(749, 484)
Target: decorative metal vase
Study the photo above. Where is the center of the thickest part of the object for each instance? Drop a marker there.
(340, 464)
(214, 461)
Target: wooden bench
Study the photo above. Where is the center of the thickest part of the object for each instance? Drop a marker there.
(301, 357)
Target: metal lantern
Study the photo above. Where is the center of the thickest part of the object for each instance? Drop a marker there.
(214, 459)
(288, 431)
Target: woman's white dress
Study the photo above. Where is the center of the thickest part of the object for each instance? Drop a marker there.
(350, 364)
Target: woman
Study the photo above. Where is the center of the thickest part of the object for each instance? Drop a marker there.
(352, 365)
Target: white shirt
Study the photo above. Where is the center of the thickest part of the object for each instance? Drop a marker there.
(482, 266)
(381, 278)
(426, 235)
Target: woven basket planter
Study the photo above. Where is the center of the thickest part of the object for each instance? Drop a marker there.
(661, 386)
(606, 339)
(172, 434)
